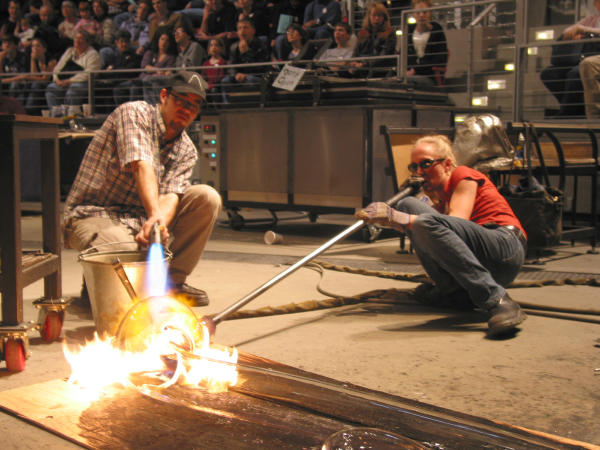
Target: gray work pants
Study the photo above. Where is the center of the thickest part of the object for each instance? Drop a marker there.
(196, 214)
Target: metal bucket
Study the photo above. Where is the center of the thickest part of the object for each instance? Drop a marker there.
(109, 299)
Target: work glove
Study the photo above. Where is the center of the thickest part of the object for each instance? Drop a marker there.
(380, 213)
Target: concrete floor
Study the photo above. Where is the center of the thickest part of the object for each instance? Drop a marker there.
(544, 378)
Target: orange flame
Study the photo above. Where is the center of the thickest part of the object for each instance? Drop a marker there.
(102, 361)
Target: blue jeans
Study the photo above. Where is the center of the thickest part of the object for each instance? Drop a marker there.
(75, 94)
(459, 253)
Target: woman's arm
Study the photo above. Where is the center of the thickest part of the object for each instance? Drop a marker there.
(463, 199)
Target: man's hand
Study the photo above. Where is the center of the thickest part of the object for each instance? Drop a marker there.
(240, 77)
(382, 214)
(243, 46)
(144, 235)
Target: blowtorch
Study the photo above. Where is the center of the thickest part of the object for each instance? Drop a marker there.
(410, 187)
(155, 234)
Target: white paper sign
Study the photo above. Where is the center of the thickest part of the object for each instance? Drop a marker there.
(289, 77)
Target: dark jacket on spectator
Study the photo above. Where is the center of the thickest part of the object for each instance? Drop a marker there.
(375, 44)
(436, 51)
(222, 20)
(256, 53)
(127, 60)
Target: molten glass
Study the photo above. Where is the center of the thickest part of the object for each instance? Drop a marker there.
(158, 316)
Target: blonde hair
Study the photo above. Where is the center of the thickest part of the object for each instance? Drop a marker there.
(442, 145)
(378, 8)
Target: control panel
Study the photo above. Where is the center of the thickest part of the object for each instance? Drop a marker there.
(206, 137)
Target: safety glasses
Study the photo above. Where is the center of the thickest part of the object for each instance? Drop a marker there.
(182, 102)
(424, 164)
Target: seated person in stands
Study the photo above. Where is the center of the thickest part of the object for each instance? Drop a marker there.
(125, 58)
(164, 19)
(11, 23)
(25, 33)
(297, 38)
(66, 29)
(218, 21)
(249, 49)
(589, 69)
(12, 61)
(138, 26)
(34, 85)
(345, 42)
(162, 55)
(87, 22)
(212, 72)
(426, 47)
(255, 11)
(376, 38)
(320, 16)
(562, 78)
(285, 13)
(189, 53)
(107, 26)
(72, 89)
(48, 32)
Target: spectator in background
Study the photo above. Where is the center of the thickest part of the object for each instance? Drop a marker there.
(284, 14)
(34, 87)
(47, 31)
(72, 89)
(87, 22)
(9, 26)
(320, 16)
(589, 69)
(160, 59)
(66, 29)
(218, 21)
(164, 19)
(376, 38)
(255, 11)
(125, 58)
(116, 7)
(194, 10)
(189, 53)
(345, 42)
(12, 61)
(138, 26)
(249, 49)
(297, 37)
(427, 47)
(214, 74)
(24, 32)
(162, 55)
(562, 78)
(107, 26)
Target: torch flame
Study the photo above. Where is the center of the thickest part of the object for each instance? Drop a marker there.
(154, 332)
(100, 362)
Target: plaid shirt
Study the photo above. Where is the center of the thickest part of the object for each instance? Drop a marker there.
(105, 184)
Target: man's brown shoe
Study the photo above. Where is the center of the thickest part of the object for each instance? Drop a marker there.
(194, 297)
(505, 316)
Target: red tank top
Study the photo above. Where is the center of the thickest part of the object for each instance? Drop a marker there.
(490, 206)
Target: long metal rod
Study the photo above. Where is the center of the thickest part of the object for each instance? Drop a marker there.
(273, 281)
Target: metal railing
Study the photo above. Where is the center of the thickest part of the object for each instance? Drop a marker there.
(495, 60)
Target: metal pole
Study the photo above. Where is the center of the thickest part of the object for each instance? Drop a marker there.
(411, 189)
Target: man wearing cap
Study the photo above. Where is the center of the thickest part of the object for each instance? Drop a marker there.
(135, 174)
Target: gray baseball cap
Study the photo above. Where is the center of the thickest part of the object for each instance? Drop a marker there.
(186, 82)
